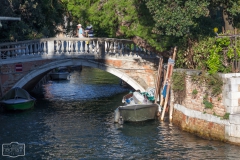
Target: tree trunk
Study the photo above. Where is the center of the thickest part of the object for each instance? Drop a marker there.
(227, 21)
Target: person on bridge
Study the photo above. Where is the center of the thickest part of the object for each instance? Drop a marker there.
(80, 31)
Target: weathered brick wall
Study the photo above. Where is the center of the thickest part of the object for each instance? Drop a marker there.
(142, 70)
(203, 128)
(9, 75)
(195, 102)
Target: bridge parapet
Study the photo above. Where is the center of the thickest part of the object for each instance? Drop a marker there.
(55, 48)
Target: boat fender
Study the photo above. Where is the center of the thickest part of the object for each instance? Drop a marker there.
(116, 115)
(120, 120)
(159, 108)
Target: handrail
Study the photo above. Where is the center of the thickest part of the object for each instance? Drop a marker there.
(71, 47)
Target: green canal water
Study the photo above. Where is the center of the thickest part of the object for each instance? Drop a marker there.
(73, 120)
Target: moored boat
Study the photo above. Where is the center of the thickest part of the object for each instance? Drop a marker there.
(138, 107)
(61, 73)
(17, 99)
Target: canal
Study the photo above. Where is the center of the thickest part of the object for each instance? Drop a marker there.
(73, 120)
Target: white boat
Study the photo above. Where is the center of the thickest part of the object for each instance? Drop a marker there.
(60, 73)
(138, 107)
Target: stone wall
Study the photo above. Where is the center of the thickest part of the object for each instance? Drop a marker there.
(192, 116)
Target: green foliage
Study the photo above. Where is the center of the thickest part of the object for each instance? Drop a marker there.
(179, 86)
(207, 104)
(39, 18)
(213, 82)
(194, 92)
(176, 17)
(226, 116)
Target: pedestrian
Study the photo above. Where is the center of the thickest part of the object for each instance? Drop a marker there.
(80, 31)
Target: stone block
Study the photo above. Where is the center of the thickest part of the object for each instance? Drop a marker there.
(233, 110)
(229, 75)
(234, 119)
(230, 102)
(235, 130)
(233, 95)
(234, 81)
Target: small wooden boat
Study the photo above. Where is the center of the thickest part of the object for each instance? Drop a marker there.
(17, 99)
(61, 73)
(138, 107)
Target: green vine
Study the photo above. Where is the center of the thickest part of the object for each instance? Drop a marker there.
(179, 86)
(213, 82)
(226, 116)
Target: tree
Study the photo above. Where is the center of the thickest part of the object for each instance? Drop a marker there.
(180, 17)
(39, 18)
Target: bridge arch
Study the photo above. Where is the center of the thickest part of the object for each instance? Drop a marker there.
(74, 62)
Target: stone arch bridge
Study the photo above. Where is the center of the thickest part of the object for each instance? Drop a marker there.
(24, 63)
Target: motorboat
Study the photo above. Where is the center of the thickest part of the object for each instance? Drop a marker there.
(60, 73)
(138, 107)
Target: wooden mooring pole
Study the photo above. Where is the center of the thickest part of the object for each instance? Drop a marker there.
(158, 81)
(167, 80)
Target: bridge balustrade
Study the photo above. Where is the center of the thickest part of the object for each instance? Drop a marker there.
(70, 47)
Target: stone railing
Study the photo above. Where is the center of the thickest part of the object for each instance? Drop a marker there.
(71, 47)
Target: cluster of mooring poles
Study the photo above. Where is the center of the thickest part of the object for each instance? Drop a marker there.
(163, 82)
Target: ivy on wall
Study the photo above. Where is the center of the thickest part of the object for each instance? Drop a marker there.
(179, 86)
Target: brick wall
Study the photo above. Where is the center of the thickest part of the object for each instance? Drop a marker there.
(192, 116)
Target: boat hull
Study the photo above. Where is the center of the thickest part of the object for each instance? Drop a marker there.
(18, 104)
(59, 76)
(138, 112)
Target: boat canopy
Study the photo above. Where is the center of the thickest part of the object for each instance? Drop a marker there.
(15, 93)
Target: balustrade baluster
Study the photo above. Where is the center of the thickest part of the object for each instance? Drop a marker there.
(97, 47)
(123, 49)
(70, 48)
(94, 43)
(31, 49)
(35, 49)
(120, 52)
(90, 46)
(106, 47)
(23, 49)
(46, 47)
(61, 51)
(27, 48)
(114, 47)
(81, 47)
(55, 47)
(64, 45)
(87, 50)
(8, 54)
(73, 47)
(15, 52)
